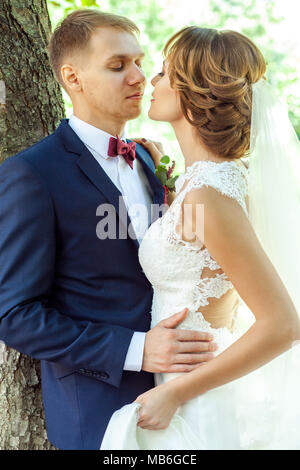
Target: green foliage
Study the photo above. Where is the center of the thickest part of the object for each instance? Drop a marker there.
(161, 175)
(171, 182)
(164, 173)
(165, 159)
(89, 3)
(58, 9)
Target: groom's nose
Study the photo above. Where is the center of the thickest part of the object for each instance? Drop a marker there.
(135, 75)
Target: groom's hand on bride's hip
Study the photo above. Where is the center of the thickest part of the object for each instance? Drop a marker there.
(173, 350)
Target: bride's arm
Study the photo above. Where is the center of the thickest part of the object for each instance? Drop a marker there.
(232, 242)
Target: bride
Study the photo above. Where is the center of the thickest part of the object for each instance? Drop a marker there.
(224, 247)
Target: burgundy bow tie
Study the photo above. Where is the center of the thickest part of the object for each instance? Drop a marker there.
(118, 147)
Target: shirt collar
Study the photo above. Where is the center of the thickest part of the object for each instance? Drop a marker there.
(95, 138)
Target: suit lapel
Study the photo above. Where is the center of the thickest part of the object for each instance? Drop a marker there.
(95, 173)
(149, 168)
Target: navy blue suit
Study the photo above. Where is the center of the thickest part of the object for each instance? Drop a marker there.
(66, 297)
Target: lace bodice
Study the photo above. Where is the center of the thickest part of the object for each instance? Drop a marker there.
(176, 268)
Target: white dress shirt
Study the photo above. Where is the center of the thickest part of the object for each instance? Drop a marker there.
(136, 190)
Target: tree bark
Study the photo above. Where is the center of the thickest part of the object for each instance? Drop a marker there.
(31, 107)
(33, 98)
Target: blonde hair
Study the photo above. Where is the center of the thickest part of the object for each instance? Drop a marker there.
(213, 72)
(74, 33)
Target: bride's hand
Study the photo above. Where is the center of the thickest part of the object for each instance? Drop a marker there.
(158, 406)
(155, 149)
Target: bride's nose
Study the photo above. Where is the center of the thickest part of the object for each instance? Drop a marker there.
(154, 80)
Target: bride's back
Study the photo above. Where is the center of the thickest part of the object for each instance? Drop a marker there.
(219, 312)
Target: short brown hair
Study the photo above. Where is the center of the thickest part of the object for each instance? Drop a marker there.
(74, 33)
(213, 72)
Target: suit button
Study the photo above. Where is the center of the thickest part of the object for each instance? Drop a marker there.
(82, 371)
(104, 375)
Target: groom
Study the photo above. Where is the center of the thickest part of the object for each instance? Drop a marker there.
(70, 296)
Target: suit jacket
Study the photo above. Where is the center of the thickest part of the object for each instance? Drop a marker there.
(67, 297)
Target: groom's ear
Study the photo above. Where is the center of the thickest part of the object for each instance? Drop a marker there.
(70, 77)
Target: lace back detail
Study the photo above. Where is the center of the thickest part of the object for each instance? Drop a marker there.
(185, 274)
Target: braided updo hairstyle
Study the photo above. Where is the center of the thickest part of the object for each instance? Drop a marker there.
(213, 72)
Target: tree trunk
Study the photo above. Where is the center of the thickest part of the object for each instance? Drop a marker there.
(31, 107)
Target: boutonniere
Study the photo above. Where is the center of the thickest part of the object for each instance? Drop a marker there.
(164, 174)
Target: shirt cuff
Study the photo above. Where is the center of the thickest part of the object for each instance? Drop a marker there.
(135, 353)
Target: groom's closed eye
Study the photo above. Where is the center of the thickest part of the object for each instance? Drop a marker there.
(119, 67)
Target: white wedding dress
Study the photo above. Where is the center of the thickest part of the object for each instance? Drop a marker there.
(185, 275)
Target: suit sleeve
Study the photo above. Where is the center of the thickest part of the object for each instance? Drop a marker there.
(27, 266)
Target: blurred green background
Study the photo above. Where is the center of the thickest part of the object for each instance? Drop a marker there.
(272, 24)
